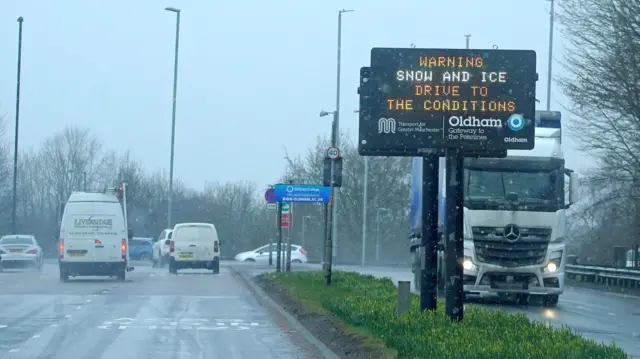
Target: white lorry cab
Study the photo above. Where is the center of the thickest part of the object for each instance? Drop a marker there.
(194, 245)
(514, 219)
(94, 239)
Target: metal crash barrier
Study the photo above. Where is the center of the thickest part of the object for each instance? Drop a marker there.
(622, 277)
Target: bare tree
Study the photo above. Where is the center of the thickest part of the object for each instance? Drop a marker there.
(603, 84)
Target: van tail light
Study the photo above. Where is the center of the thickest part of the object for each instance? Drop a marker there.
(215, 247)
(61, 248)
(32, 251)
(302, 251)
(124, 248)
(172, 247)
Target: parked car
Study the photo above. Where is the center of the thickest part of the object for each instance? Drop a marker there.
(261, 255)
(140, 248)
(160, 255)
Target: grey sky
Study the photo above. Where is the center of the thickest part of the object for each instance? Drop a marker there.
(253, 75)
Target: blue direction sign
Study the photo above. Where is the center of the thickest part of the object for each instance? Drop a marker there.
(302, 193)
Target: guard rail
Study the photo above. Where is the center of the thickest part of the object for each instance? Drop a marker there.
(629, 278)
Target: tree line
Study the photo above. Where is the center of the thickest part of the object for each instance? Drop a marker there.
(75, 158)
(602, 81)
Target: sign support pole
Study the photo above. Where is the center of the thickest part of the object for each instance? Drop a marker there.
(279, 245)
(328, 257)
(454, 245)
(288, 248)
(429, 253)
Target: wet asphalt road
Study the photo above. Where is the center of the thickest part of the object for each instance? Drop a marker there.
(195, 314)
(604, 317)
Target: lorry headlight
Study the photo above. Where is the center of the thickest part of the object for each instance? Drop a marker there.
(468, 264)
(551, 267)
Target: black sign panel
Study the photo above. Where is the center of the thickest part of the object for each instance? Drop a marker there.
(337, 172)
(417, 101)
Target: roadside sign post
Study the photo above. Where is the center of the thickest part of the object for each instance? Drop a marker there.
(272, 205)
(332, 153)
(446, 102)
(279, 244)
(302, 193)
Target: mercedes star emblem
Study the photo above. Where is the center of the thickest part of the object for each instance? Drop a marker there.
(511, 232)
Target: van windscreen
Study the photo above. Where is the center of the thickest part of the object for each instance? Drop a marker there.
(194, 234)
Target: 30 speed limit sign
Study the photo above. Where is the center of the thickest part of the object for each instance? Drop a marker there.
(333, 153)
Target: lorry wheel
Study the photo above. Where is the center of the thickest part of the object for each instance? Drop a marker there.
(522, 299)
(550, 300)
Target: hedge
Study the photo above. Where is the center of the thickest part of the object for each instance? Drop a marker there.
(368, 303)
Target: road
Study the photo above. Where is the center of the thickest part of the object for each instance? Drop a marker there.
(195, 314)
(604, 317)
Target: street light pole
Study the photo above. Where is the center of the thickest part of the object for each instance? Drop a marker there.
(364, 210)
(551, 19)
(173, 115)
(336, 117)
(378, 232)
(15, 138)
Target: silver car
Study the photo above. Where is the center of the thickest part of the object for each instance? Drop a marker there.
(20, 251)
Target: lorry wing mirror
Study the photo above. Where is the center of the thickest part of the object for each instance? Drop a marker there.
(574, 184)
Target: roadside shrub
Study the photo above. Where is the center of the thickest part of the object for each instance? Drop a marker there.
(369, 303)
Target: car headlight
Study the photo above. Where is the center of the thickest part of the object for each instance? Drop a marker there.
(467, 264)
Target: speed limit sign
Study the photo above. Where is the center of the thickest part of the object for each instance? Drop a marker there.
(333, 153)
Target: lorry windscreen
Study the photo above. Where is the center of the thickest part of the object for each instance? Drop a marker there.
(496, 189)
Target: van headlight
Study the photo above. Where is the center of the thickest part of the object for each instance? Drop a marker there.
(467, 264)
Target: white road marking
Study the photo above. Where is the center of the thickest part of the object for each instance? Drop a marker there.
(611, 313)
(36, 336)
(14, 350)
(2, 326)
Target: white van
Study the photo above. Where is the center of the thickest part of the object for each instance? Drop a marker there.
(194, 245)
(94, 240)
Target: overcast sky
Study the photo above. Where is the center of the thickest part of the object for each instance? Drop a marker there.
(253, 75)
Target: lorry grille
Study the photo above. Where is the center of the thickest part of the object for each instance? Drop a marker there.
(492, 248)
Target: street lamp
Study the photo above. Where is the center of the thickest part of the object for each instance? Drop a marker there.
(173, 115)
(337, 128)
(551, 18)
(15, 138)
(330, 218)
(303, 229)
(380, 210)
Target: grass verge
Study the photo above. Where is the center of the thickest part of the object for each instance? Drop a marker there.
(367, 304)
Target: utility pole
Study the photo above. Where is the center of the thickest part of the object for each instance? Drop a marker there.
(173, 116)
(551, 20)
(15, 138)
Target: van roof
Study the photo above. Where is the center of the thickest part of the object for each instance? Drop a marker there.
(179, 225)
(92, 197)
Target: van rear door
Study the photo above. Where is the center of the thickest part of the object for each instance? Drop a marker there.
(194, 242)
(92, 232)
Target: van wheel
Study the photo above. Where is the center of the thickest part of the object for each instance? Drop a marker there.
(173, 269)
(216, 267)
(122, 276)
(64, 276)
